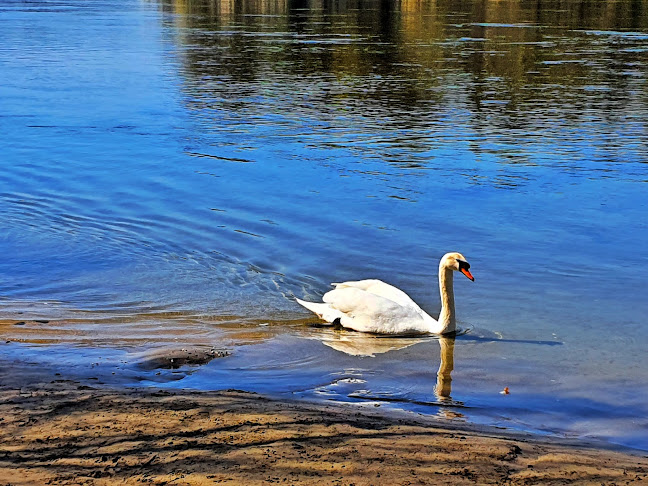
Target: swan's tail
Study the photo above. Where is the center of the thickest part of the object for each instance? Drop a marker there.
(324, 311)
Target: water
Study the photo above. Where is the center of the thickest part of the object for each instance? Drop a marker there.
(174, 173)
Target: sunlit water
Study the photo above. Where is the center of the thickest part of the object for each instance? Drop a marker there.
(174, 173)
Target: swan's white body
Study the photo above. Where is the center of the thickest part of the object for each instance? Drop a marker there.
(377, 307)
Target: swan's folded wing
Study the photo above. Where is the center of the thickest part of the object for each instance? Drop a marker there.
(382, 289)
(367, 312)
(352, 299)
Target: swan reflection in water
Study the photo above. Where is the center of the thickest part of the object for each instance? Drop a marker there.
(369, 346)
(443, 386)
(444, 375)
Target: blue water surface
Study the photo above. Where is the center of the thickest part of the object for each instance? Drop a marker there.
(175, 172)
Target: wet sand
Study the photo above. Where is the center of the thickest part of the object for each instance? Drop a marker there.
(58, 431)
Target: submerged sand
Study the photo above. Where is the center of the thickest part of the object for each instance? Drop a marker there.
(57, 431)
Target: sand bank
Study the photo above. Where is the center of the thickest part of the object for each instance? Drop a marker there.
(56, 431)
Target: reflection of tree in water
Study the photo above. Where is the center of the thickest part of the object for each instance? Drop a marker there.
(389, 37)
(507, 71)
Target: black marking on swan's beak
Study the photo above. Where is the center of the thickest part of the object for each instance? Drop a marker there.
(464, 267)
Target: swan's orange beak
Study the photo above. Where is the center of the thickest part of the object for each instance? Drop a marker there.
(467, 273)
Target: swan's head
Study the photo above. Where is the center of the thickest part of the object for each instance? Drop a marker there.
(457, 262)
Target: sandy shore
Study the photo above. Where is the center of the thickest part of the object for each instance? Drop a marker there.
(56, 431)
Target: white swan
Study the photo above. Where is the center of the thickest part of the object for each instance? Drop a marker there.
(376, 307)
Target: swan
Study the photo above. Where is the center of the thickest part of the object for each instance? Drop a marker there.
(377, 307)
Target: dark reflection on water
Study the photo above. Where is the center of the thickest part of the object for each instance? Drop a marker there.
(178, 171)
(397, 80)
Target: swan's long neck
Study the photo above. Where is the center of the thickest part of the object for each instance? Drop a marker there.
(447, 315)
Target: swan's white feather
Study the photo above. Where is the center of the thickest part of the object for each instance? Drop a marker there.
(365, 311)
(324, 311)
(377, 307)
(378, 287)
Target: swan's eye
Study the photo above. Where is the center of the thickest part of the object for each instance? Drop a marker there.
(463, 265)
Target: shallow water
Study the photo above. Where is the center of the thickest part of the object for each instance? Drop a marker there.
(175, 172)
